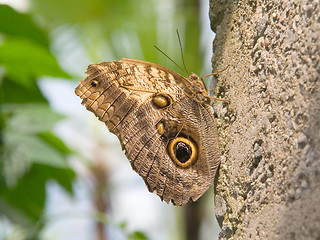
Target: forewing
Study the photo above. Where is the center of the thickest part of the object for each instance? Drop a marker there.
(120, 93)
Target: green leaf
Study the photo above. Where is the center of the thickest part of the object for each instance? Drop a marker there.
(12, 92)
(123, 225)
(137, 236)
(25, 60)
(27, 140)
(24, 203)
(29, 118)
(55, 142)
(20, 25)
(30, 154)
(21, 151)
(57, 12)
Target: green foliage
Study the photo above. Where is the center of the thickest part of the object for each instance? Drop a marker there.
(23, 203)
(25, 60)
(30, 153)
(106, 30)
(137, 236)
(111, 29)
(28, 140)
(15, 24)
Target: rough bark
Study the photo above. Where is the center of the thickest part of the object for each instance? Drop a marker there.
(269, 179)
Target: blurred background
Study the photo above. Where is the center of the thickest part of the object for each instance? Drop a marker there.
(62, 174)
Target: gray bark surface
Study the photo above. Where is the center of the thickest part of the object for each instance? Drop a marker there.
(269, 179)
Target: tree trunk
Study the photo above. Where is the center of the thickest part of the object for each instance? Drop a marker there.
(269, 179)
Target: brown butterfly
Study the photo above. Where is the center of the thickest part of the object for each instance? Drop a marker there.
(163, 121)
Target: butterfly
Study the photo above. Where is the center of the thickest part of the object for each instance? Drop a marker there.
(164, 123)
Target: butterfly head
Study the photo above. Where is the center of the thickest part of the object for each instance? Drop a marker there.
(198, 89)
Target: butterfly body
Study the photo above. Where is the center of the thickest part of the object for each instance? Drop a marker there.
(163, 121)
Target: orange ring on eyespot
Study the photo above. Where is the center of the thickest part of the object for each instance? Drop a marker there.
(171, 150)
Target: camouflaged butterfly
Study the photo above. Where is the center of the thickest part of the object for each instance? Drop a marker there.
(163, 121)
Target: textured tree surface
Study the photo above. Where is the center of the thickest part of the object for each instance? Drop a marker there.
(269, 179)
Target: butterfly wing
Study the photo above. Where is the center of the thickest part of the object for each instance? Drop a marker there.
(144, 104)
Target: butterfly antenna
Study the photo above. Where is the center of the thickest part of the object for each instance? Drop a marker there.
(181, 50)
(170, 59)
